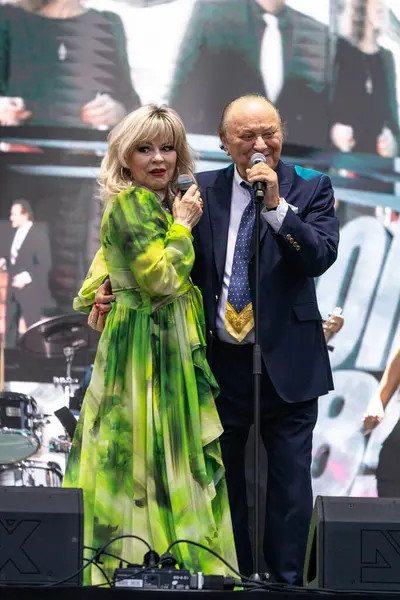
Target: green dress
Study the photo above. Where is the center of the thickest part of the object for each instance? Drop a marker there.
(146, 449)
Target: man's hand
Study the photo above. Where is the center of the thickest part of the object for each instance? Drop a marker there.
(12, 111)
(373, 415)
(103, 110)
(20, 280)
(3, 264)
(102, 306)
(262, 172)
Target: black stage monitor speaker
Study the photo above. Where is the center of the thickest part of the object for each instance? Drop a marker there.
(41, 535)
(354, 544)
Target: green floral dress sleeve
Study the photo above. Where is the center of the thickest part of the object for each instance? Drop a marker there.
(94, 278)
(158, 252)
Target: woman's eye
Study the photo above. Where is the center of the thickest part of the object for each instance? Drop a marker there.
(143, 149)
(168, 148)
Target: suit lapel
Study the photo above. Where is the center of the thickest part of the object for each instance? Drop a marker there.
(285, 183)
(219, 199)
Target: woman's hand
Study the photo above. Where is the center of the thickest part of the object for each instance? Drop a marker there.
(102, 110)
(102, 306)
(188, 209)
(386, 144)
(12, 111)
(342, 137)
(374, 414)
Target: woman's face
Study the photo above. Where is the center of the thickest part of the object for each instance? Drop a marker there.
(153, 164)
(375, 14)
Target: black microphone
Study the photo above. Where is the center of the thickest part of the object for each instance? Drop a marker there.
(184, 182)
(259, 187)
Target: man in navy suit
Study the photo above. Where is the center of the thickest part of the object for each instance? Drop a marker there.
(299, 239)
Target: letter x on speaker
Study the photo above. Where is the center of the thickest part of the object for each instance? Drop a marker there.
(41, 535)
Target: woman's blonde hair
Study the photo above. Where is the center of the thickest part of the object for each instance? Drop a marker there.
(142, 125)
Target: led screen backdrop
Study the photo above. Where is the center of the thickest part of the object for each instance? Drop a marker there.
(333, 69)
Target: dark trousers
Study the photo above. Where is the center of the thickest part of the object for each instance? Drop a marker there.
(388, 472)
(286, 431)
(23, 306)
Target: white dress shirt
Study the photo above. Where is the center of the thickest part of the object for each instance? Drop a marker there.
(271, 57)
(240, 199)
(17, 242)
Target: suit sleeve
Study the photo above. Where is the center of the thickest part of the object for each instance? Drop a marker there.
(200, 87)
(159, 255)
(4, 51)
(392, 118)
(96, 275)
(41, 259)
(310, 242)
(125, 92)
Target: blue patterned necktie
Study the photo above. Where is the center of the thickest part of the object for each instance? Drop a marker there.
(239, 319)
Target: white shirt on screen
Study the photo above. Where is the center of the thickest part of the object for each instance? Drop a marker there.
(271, 57)
(18, 240)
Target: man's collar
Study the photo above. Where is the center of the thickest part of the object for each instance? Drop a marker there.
(24, 228)
(282, 15)
(238, 179)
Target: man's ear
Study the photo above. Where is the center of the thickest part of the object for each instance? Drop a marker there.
(223, 147)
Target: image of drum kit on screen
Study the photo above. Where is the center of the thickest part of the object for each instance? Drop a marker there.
(22, 439)
(25, 436)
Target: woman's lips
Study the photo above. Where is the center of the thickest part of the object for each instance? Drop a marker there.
(158, 172)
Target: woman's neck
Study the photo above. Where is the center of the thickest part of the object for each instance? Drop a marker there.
(164, 198)
(62, 9)
(161, 195)
(368, 44)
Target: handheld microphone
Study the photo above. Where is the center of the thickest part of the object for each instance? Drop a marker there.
(259, 187)
(184, 182)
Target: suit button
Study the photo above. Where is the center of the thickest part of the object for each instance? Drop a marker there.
(288, 237)
(216, 298)
(211, 332)
(297, 247)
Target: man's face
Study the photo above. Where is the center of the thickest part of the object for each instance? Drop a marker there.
(17, 216)
(252, 125)
(271, 6)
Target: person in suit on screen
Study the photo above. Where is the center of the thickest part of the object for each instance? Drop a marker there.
(236, 47)
(28, 263)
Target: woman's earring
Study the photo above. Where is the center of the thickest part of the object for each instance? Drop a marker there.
(126, 176)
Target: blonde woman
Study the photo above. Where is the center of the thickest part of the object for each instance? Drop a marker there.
(146, 449)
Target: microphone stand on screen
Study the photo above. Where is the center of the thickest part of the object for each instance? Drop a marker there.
(259, 192)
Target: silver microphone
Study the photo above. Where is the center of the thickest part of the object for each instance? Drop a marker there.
(184, 182)
(259, 187)
(257, 157)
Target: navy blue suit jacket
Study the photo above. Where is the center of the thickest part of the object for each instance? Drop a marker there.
(291, 334)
